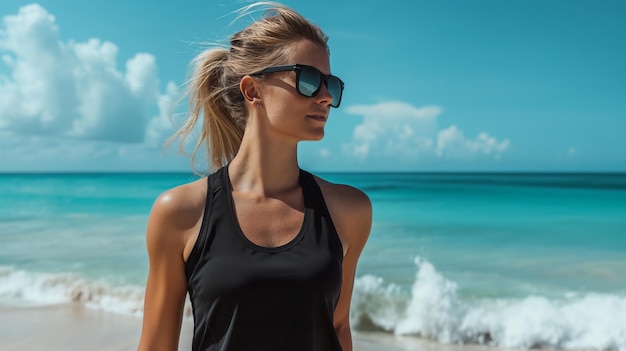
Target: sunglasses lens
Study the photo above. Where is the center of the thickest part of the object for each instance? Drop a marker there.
(335, 90)
(310, 82)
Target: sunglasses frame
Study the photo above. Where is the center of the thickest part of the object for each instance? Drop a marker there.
(298, 69)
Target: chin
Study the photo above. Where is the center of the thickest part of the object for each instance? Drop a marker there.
(311, 135)
(316, 136)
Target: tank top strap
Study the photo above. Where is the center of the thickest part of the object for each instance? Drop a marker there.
(316, 201)
(201, 241)
(314, 197)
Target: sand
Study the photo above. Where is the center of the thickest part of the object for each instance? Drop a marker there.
(72, 327)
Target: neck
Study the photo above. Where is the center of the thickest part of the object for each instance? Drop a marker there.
(264, 164)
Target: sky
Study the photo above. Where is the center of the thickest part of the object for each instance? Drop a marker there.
(431, 86)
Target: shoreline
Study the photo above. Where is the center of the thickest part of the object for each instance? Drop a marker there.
(72, 326)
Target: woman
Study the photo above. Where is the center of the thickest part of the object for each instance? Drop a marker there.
(267, 251)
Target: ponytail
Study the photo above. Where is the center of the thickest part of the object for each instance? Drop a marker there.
(211, 96)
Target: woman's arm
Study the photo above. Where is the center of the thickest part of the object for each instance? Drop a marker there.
(172, 221)
(351, 211)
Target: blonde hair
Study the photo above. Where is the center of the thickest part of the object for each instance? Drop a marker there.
(213, 89)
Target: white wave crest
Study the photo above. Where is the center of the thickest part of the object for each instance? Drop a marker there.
(433, 310)
(25, 288)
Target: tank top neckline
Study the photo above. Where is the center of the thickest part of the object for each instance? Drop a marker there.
(293, 242)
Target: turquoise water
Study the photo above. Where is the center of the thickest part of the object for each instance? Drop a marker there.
(451, 257)
(547, 232)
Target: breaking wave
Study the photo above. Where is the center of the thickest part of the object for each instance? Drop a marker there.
(24, 288)
(432, 309)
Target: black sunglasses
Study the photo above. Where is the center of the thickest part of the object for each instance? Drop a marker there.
(309, 81)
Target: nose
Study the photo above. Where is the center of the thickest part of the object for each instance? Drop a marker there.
(323, 95)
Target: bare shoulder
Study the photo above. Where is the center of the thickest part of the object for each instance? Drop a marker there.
(176, 213)
(181, 204)
(351, 211)
(344, 195)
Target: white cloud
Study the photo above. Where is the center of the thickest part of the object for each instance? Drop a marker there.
(74, 90)
(398, 129)
(451, 142)
(323, 153)
(160, 127)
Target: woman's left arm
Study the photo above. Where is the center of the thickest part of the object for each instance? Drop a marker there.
(351, 211)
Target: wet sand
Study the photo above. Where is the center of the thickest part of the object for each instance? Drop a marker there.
(72, 327)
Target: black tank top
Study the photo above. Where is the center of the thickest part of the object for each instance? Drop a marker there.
(248, 297)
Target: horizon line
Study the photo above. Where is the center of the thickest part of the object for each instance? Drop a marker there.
(122, 172)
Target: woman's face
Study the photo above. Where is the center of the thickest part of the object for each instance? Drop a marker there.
(288, 113)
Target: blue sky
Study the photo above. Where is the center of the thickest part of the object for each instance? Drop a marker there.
(450, 85)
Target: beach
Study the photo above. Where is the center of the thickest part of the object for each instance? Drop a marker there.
(68, 327)
(72, 326)
(454, 261)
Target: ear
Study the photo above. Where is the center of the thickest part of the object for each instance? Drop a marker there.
(249, 88)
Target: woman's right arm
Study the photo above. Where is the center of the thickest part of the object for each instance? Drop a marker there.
(172, 221)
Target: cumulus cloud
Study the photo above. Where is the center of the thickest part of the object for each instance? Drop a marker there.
(451, 142)
(160, 127)
(74, 90)
(398, 129)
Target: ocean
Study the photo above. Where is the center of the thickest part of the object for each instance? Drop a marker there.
(514, 260)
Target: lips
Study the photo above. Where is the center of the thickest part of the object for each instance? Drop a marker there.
(316, 117)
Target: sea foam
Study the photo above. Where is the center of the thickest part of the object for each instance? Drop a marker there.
(434, 310)
(431, 309)
(23, 288)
